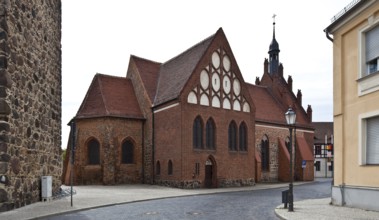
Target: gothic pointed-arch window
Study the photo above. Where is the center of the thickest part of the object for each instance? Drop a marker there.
(232, 136)
(243, 137)
(127, 152)
(210, 136)
(265, 153)
(169, 168)
(158, 168)
(93, 148)
(197, 133)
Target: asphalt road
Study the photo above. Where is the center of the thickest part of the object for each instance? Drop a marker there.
(257, 204)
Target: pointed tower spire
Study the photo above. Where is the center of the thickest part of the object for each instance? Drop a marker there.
(273, 24)
(274, 52)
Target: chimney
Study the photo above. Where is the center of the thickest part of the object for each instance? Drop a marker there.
(257, 81)
(299, 97)
(289, 82)
(265, 66)
(309, 113)
(281, 70)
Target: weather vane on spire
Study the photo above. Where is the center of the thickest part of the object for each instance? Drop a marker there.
(273, 18)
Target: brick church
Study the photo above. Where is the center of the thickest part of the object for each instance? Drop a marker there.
(190, 122)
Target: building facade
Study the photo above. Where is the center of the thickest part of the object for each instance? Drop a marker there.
(356, 110)
(323, 149)
(30, 100)
(194, 123)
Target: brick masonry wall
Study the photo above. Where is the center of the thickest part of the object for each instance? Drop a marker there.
(307, 173)
(279, 164)
(231, 168)
(30, 99)
(273, 134)
(110, 133)
(145, 106)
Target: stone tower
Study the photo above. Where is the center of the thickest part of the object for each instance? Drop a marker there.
(30, 99)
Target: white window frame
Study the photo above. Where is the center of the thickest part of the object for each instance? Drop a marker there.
(362, 136)
(367, 83)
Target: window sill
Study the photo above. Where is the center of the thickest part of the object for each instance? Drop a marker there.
(92, 166)
(368, 84)
(204, 150)
(369, 165)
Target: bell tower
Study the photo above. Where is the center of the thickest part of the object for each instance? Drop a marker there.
(274, 54)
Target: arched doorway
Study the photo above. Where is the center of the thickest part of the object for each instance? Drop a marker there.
(210, 180)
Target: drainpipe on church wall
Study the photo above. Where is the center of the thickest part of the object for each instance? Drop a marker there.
(153, 147)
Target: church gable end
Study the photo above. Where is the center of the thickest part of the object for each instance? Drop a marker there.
(217, 81)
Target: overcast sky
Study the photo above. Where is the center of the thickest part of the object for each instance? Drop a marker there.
(98, 36)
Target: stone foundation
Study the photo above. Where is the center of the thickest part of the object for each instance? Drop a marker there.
(196, 184)
(236, 182)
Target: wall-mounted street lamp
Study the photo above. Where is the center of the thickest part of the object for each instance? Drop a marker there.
(291, 120)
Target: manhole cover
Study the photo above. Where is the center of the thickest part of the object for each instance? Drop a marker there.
(151, 213)
(194, 213)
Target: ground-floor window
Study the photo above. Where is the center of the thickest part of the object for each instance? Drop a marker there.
(169, 168)
(372, 140)
(93, 148)
(158, 168)
(265, 153)
(127, 152)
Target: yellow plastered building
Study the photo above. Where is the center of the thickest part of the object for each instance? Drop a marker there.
(354, 33)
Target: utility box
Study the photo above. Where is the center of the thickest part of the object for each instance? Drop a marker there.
(285, 198)
(46, 187)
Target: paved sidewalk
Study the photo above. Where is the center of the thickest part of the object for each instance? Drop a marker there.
(320, 209)
(88, 197)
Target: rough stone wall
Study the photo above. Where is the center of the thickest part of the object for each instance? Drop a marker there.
(30, 99)
(279, 163)
(273, 133)
(196, 184)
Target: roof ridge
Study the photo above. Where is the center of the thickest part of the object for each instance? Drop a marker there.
(110, 76)
(157, 94)
(260, 86)
(141, 58)
(102, 94)
(197, 44)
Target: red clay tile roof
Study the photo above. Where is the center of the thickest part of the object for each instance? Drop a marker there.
(110, 96)
(149, 73)
(305, 150)
(175, 73)
(322, 129)
(267, 107)
(271, 110)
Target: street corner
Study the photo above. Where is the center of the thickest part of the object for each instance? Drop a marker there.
(280, 212)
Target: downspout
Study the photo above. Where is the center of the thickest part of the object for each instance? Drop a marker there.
(143, 151)
(328, 36)
(153, 148)
(342, 188)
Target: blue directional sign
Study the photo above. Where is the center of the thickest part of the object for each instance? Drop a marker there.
(303, 164)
